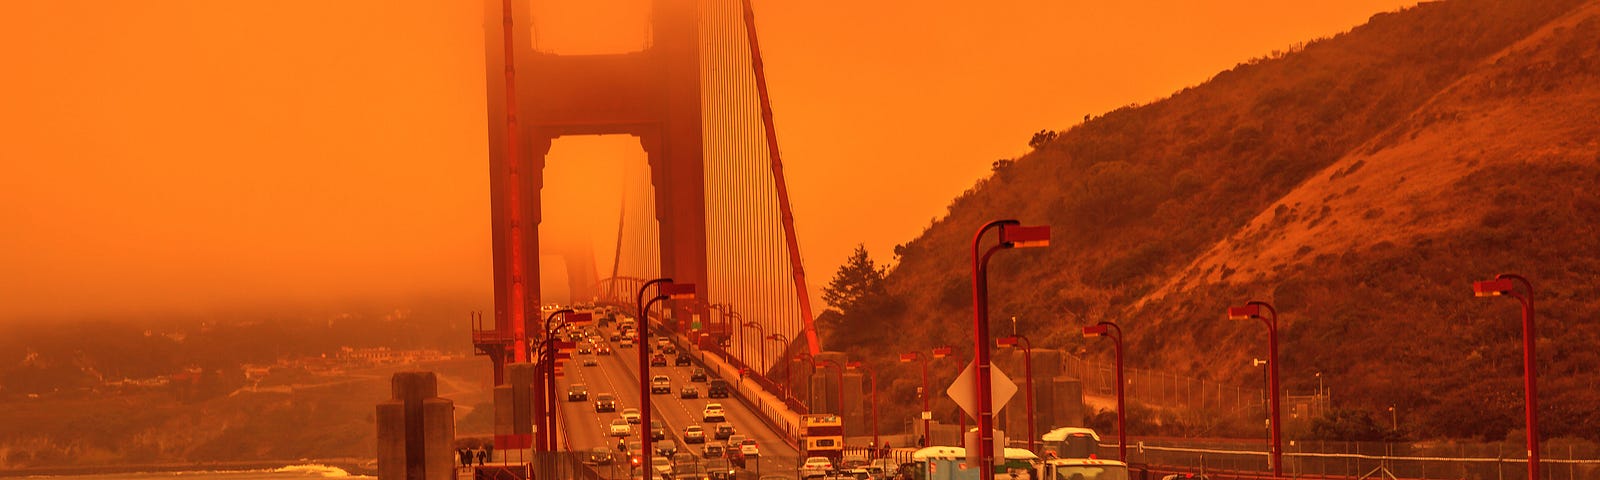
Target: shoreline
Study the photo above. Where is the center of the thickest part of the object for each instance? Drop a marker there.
(354, 466)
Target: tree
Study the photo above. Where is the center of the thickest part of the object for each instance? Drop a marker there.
(858, 287)
(1041, 138)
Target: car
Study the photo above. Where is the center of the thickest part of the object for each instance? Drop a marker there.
(1186, 476)
(670, 349)
(697, 375)
(719, 469)
(713, 413)
(666, 448)
(658, 431)
(663, 342)
(625, 343)
(603, 350)
(712, 450)
(662, 466)
(735, 458)
(694, 434)
(748, 448)
(717, 388)
(658, 360)
(590, 362)
(815, 467)
(621, 428)
(605, 402)
(689, 471)
(615, 337)
(660, 384)
(689, 392)
(577, 392)
(631, 415)
(681, 361)
(600, 456)
(734, 441)
(585, 350)
(722, 431)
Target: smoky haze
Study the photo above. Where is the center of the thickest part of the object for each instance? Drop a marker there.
(193, 155)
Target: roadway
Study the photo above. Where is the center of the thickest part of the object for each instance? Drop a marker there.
(586, 429)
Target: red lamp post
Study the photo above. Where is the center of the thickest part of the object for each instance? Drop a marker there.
(1505, 284)
(806, 357)
(1012, 235)
(874, 375)
(1250, 310)
(839, 368)
(926, 413)
(666, 290)
(761, 332)
(1027, 367)
(1108, 329)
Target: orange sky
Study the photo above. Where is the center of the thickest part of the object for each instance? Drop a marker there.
(192, 155)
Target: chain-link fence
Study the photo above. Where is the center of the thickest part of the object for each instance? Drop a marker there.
(1152, 387)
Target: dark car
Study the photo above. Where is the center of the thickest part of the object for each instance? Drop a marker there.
(614, 337)
(584, 350)
(719, 469)
(658, 431)
(682, 361)
(605, 402)
(600, 456)
(722, 432)
(577, 393)
(697, 375)
(603, 350)
(658, 361)
(717, 389)
(689, 392)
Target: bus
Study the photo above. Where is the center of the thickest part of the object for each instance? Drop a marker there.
(822, 436)
(1071, 442)
(950, 463)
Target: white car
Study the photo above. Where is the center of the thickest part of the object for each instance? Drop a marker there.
(662, 465)
(621, 428)
(815, 467)
(660, 384)
(713, 413)
(631, 415)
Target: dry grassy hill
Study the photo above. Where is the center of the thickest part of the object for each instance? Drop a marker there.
(1360, 183)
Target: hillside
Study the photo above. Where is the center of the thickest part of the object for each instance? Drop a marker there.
(1360, 182)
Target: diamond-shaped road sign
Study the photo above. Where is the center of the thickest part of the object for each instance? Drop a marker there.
(965, 393)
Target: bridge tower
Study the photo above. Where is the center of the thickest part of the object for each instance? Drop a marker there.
(652, 94)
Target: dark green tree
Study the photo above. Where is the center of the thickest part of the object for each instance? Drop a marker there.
(858, 287)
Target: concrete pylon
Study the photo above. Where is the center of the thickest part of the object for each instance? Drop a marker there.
(416, 430)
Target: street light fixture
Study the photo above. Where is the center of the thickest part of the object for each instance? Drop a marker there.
(927, 414)
(1027, 367)
(1114, 332)
(665, 290)
(1254, 309)
(761, 332)
(1012, 235)
(1506, 284)
(874, 375)
(839, 368)
(787, 366)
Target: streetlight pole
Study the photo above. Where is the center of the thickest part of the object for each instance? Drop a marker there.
(1027, 367)
(840, 368)
(1014, 236)
(665, 290)
(927, 439)
(761, 332)
(1253, 309)
(787, 366)
(1505, 284)
(548, 422)
(874, 376)
(1111, 330)
(806, 357)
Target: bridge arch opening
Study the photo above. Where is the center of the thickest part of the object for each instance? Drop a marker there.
(591, 184)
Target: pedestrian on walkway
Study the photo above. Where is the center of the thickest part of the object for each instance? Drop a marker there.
(479, 453)
(466, 458)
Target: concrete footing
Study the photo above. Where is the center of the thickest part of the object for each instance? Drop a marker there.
(416, 430)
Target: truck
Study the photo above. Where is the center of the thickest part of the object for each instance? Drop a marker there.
(950, 463)
(1071, 442)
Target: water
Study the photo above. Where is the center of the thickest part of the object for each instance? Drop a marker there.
(292, 472)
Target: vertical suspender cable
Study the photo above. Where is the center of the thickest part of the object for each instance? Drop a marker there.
(802, 296)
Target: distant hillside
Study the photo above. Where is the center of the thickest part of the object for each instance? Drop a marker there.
(1361, 183)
